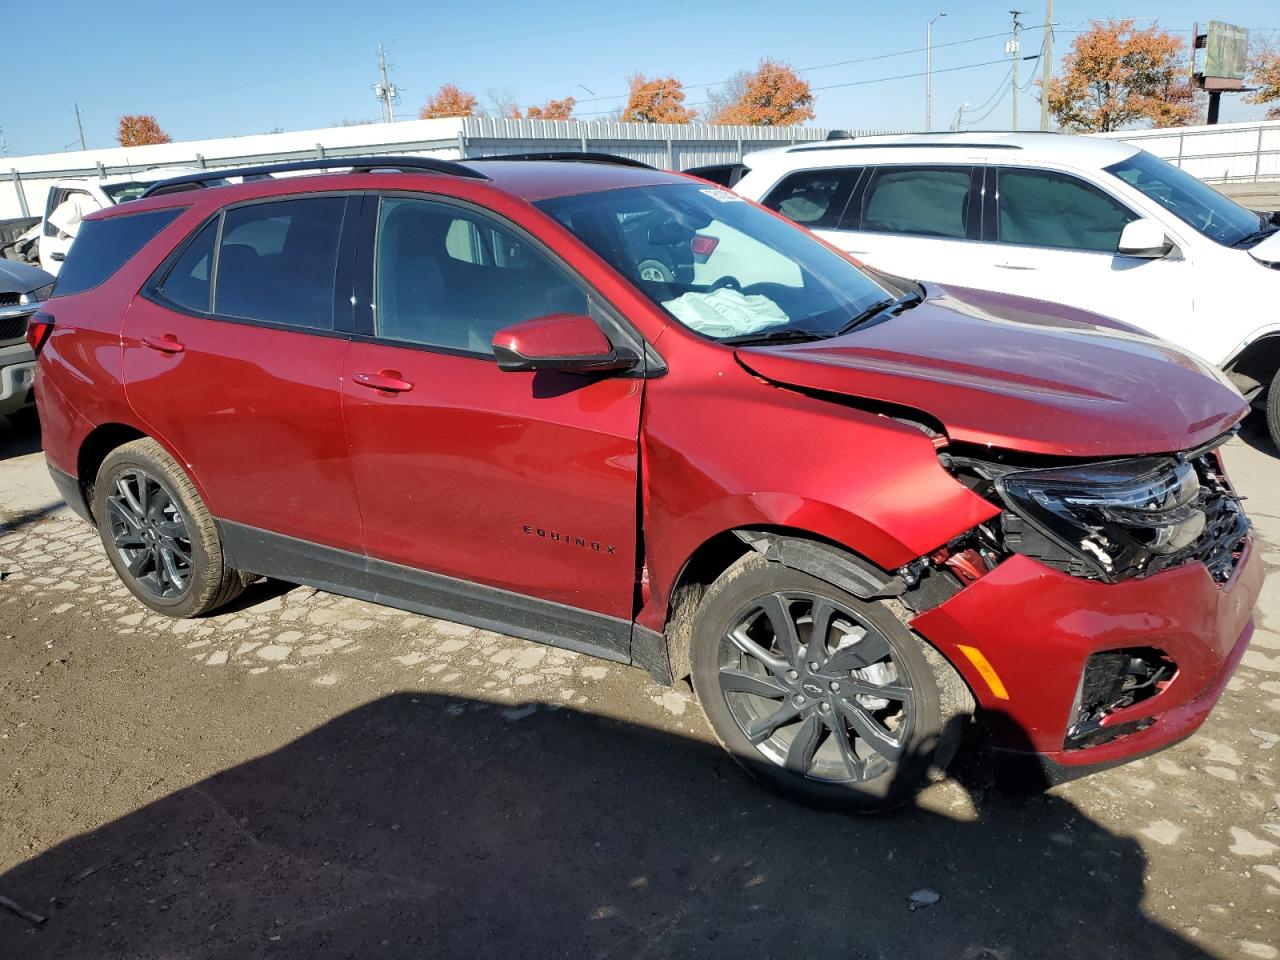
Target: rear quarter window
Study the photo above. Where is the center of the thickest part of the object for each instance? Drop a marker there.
(103, 246)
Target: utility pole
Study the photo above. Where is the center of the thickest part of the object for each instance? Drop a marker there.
(928, 73)
(1014, 49)
(80, 127)
(384, 90)
(1046, 64)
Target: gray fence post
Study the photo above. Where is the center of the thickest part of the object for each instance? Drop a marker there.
(102, 171)
(320, 151)
(583, 137)
(200, 161)
(1181, 137)
(22, 194)
(462, 145)
(1257, 157)
(671, 161)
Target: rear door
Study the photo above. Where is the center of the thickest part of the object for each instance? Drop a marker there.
(524, 482)
(918, 221)
(233, 356)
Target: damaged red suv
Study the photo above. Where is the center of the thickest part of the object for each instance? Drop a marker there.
(629, 413)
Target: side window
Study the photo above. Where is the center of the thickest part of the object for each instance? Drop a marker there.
(103, 246)
(814, 198)
(277, 261)
(187, 284)
(1041, 208)
(926, 201)
(447, 277)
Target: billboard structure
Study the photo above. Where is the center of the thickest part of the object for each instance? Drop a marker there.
(1226, 50)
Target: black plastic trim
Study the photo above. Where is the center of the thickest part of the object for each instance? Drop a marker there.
(70, 490)
(826, 562)
(407, 588)
(198, 181)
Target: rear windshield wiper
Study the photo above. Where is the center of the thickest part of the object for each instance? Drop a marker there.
(884, 308)
(775, 336)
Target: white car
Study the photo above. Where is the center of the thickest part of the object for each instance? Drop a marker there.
(70, 201)
(1088, 222)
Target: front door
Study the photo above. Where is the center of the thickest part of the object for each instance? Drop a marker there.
(238, 373)
(519, 482)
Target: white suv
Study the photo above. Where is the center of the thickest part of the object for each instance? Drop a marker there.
(1092, 223)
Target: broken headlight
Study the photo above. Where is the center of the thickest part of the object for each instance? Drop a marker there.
(1112, 518)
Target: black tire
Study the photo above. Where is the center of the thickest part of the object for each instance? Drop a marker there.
(910, 697)
(195, 577)
(653, 269)
(1273, 411)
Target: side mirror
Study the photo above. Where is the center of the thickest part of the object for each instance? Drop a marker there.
(565, 342)
(1144, 238)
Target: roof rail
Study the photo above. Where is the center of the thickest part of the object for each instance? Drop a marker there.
(913, 145)
(571, 156)
(198, 181)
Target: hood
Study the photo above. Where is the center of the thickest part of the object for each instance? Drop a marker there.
(1268, 251)
(1019, 374)
(16, 277)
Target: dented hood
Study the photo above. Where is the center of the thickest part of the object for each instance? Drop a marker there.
(1018, 374)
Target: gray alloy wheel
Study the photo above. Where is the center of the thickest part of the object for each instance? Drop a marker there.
(149, 533)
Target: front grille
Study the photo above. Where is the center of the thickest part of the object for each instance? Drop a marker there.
(9, 299)
(12, 328)
(1221, 544)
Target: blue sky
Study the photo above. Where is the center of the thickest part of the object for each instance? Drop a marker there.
(211, 70)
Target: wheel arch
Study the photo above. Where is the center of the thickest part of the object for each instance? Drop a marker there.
(98, 444)
(1256, 365)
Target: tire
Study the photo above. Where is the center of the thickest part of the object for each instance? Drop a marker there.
(1273, 410)
(654, 270)
(149, 516)
(889, 745)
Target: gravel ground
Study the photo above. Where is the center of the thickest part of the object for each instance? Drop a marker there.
(310, 776)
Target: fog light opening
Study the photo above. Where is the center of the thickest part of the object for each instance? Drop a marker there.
(1115, 680)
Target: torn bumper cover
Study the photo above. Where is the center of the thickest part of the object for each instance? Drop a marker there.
(1038, 627)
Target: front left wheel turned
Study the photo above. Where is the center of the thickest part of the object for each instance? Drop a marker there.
(158, 534)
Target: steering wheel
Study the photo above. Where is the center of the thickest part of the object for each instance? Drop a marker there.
(726, 281)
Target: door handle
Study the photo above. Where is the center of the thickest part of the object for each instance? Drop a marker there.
(58, 255)
(166, 344)
(388, 380)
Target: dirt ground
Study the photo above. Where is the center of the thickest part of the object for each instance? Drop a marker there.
(308, 776)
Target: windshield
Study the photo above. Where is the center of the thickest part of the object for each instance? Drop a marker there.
(719, 265)
(1187, 198)
(120, 192)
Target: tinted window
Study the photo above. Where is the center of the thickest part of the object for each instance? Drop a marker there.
(1044, 209)
(187, 284)
(277, 261)
(449, 278)
(929, 201)
(103, 246)
(813, 198)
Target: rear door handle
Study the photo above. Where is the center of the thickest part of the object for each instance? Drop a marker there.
(58, 255)
(388, 380)
(166, 344)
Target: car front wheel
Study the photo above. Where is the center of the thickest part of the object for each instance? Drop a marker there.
(826, 697)
(1273, 410)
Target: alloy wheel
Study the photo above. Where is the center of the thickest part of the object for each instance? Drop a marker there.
(815, 688)
(150, 534)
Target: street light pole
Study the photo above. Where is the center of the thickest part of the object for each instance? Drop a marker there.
(928, 73)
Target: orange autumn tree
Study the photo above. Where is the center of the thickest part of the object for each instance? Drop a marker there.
(773, 96)
(1116, 75)
(448, 101)
(660, 100)
(553, 110)
(139, 130)
(1264, 73)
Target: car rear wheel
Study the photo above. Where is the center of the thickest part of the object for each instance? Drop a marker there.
(830, 699)
(158, 534)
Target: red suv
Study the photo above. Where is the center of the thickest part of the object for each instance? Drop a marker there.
(627, 412)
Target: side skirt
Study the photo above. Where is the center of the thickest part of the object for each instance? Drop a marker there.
(407, 588)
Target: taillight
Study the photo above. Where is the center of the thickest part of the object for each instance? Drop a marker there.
(38, 329)
(703, 246)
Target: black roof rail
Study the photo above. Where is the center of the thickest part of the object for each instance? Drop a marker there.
(568, 155)
(197, 181)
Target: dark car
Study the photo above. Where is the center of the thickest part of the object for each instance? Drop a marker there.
(23, 287)
(856, 511)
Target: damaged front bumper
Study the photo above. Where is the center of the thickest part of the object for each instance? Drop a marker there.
(1036, 628)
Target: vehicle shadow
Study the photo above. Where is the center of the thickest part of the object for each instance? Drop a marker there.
(424, 826)
(1254, 432)
(19, 437)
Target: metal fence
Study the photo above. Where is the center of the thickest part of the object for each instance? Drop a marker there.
(1223, 153)
(669, 146)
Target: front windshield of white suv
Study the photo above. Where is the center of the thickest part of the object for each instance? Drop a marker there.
(720, 265)
(1189, 199)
